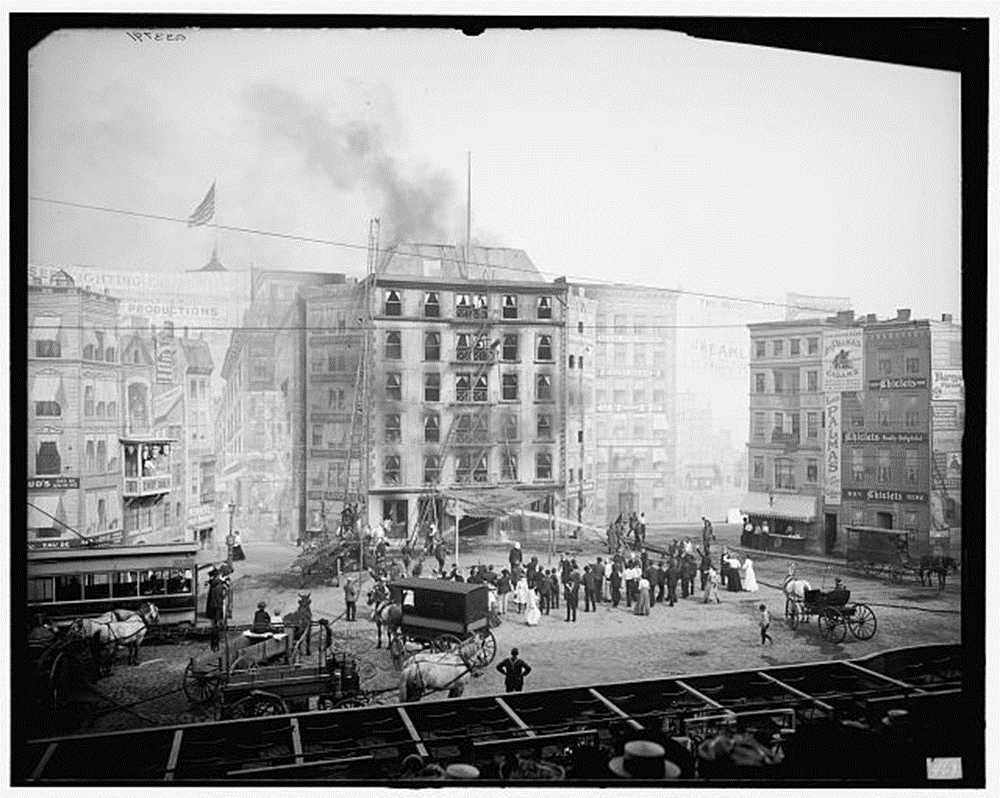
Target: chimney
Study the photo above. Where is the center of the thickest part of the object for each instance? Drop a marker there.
(903, 314)
(845, 316)
(871, 318)
(946, 317)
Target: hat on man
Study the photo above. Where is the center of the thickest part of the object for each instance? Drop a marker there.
(261, 605)
(644, 759)
(461, 772)
(214, 572)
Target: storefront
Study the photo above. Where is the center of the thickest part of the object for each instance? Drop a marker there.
(780, 522)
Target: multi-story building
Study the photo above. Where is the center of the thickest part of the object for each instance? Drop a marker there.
(854, 448)
(581, 434)
(634, 404)
(94, 469)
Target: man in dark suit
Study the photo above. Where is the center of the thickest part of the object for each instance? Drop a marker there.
(572, 596)
(589, 585)
(672, 576)
(514, 670)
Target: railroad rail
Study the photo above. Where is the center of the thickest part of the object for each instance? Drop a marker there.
(369, 743)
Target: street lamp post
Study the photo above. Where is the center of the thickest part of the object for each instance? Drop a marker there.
(229, 538)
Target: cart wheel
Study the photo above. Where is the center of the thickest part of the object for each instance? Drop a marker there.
(487, 650)
(263, 704)
(862, 622)
(446, 642)
(832, 625)
(397, 647)
(201, 682)
(794, 615)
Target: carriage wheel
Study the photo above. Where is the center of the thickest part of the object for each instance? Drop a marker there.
(446, 642)
(201, 682)
(487, 650)
(263, 704)
(832, 625)
(397, 647)
(862, 622)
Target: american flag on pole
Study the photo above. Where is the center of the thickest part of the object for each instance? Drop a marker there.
(204, 212)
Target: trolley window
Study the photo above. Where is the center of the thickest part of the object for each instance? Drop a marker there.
(125, 584)
(40, 589)
(153, 583)
(97, 586)
(68, 588)
(179, 582)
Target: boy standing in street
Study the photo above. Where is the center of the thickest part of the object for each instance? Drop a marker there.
(764, 618)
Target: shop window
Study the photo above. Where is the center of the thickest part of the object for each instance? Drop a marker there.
(543, 388)
(543, 465)
(812, 470)
(784, 473)
(393, 304)
(544, 307)
(509, 306)
(432, 387)
(432, 346)
(393, 345)
(510, 387)
(68, 588)
(391, 470)
(393, 386)
(432, 428)
(432, 306)
(393, 428)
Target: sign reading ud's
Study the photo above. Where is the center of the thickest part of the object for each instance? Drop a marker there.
(897, 383)
(53, 483)
(913, 497)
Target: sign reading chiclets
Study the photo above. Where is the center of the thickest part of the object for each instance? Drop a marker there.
(843, 361)
(897, 383)
(912, 497)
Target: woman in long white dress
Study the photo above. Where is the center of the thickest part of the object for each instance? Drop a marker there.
(533, 615)
(747, 575)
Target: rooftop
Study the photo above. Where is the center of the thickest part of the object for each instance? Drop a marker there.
(446, 262)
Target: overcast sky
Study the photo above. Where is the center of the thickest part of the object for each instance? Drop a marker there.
(644, 157)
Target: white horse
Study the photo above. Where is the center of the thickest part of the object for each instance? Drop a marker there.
(430, 672)
(795, 591)
(120, 629)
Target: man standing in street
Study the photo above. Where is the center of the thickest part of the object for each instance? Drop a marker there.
(671, 577)
(215, 606)
(351, 599)
(598, 580)
(514, 670)
(616, 583)
(589, 585)
(572, 596)
(515, 557)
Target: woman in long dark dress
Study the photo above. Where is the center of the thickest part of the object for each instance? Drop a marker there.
(733, 581)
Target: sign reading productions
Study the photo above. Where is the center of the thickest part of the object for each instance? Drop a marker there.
(948, 385)
(843, 361)
(831, 471)
(913, 497)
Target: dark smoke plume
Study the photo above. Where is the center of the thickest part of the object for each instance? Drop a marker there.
(354, 156)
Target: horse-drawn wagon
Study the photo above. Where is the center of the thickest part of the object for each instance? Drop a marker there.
(835, 612)
(442, 615)
(897, 552)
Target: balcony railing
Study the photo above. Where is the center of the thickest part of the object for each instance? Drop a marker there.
(147, 486)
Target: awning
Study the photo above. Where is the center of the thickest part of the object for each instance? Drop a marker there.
(51, 504)
(794, 508)
(46, 388)
(493, 502)
(46, 328)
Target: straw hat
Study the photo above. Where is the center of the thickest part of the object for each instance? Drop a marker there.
(461, 772)
(644, 759)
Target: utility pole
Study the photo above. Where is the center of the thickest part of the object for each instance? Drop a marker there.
(468, 208)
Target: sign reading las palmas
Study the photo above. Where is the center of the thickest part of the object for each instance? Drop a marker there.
(843, 361)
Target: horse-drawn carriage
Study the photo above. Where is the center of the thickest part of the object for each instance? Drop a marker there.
(835, 612)
(896, 552)
(442, 615)
(61, 659)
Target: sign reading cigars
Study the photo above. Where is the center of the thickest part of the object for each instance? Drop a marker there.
(843, 360)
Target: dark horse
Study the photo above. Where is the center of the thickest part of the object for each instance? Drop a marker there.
(931, 564)
(385, 613)
(300, 621)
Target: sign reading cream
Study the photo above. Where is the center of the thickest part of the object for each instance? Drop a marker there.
(843, 361)
(831, 476)
(947, 384)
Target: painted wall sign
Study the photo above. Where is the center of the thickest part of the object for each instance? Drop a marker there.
(885, 437)
(944, 416)
(947, 384)
(843, 360)
(897, 383)
(870, 495)
(53, 483)
(831, 471)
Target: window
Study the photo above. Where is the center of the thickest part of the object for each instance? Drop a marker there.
(432, 307)
(463, 387)
(784, 473)
(481, 389)
(857, 420)
(812, 470)
(579, 327)
(88, 352)
(193, 390)
(89, 457)
(432, 346)
(68, 588)
(125, 584)
(47, 461)
(639, 356)
(317, 437)
(511, 347)
(812, 425)
(778, 348)
(432, 428)
(580, 362)
(543, 388)
(393, 428)
(543, 465)
(779, 423)
(795, 425)
(509, 429)
(544, 307)
(49, 347)
(40, 588)
(579, 436)
(760, 382)
(432, 387)
(543, 347)
(884, 411)
(812, 346)
(760, 349)
(793, 382)
(510, 387)
(913, 365)
(101, 464)
(432, 468)
(659, 398)
(779, 382)
(572, 361)
(619, 354)
(639, 398)
(758, 468)
(393, 304)
(858, 466)
(912, 415)
(884, 364)
(759, 421)
(481, 350)
(48, 409)
(544, 427)
(393, 386)
(88, 400)
(508, 466)
(509, 306)
(884, 466)
(793, 347)
(463, 347)
(481, 306)
(621, 324)
(812, 381)
(394, 345)
(391, 470)
(481, 471)
(912, 466)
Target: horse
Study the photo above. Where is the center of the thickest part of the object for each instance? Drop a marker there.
(300, 621)
(794, 588)
(429, 672)
(119, 629)
(384, 613)
(931, 564)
